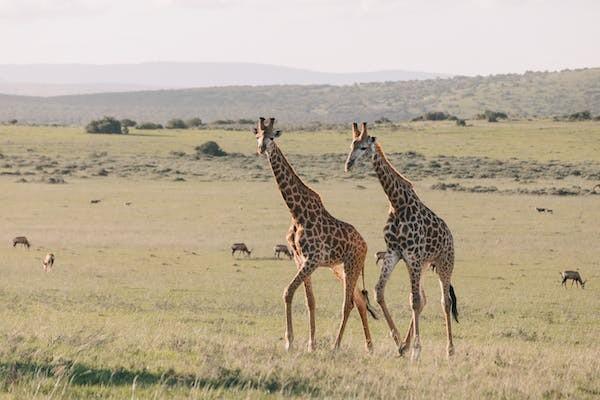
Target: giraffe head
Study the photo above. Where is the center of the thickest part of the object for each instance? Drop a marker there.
(265, 135)
(362, 144)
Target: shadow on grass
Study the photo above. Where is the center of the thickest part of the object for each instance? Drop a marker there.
(84, 375)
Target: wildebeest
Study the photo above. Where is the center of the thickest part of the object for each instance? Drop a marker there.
(574, 276)
(95, 201)
(380, 255)
(242, 248)
(542, 209)
(282, 248)
(21, 240)
(48, 262)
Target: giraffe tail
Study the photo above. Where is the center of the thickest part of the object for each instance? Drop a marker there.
(454, 306)
(370, 308)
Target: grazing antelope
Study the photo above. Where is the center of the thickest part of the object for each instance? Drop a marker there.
(21, 240)
(317, 239)
(95, 201)
(540, 209)
(413, 233)
(48, 262)
(242, 248)
(282, 248)
(574, 277)
(380, 255)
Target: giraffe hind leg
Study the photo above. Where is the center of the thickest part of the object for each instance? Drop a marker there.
(389, 263)
(351, 273)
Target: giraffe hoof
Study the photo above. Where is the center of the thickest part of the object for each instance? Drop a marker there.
(450, 351)
(369, 348)
(311, 347)
(289, 346)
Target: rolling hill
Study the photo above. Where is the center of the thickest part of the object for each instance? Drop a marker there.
(520, 95)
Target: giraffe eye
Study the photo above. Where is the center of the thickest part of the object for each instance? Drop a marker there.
(363, 147)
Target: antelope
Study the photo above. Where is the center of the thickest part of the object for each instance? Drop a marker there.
(540, 209)
(242, 248)
(48, 262)
(380, 255)
(21, 240)
(282, 248)
(574, 277)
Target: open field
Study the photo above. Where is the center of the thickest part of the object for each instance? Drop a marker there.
(145, 300)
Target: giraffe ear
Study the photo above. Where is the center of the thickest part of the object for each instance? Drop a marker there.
(276, 134)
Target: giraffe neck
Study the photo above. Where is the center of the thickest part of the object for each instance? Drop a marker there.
(397, 188)
(297, 195)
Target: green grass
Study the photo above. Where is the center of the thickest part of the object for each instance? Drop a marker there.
(149, 293)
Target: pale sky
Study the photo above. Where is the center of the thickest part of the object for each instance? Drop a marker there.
(451, 36)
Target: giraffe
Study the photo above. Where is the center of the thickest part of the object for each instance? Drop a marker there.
(316, 239)
(412, 233)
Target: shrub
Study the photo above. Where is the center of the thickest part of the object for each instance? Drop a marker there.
(492, 116)
(194, 122)
(104, 125)
(224, 122)
(434, 116)
(13, 121)
(246, 121)
(176, 123)
(128, 123)
(461, 122)
(383, 120)
(149, 125)
(210, 148)
(580, 116)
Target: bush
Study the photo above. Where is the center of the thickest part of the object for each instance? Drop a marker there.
(176, 123)
(104, 125)
(461, 122)
(194, 122)
(210, 148)
(246, 121)
(224, 122)
(492, 116)
(128, 123)
(149, 125)
(13, 121)
(434, 116)
(580, 116)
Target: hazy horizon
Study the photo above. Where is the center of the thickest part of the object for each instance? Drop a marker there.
(464, 37)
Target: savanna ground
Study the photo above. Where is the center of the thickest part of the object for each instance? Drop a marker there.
(145, 300)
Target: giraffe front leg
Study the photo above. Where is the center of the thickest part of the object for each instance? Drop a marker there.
(389, 263)
(310, 305)
(288, 294)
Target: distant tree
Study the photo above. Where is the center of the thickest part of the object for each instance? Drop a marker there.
(194, 122)
(124, 130)
(176, 123)
(246, 121)
(104, 125)
(128, 123)
(149, 125)
(383, 120)
(224, 122)
(13, 121)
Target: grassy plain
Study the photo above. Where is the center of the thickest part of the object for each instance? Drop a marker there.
(146, 302)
